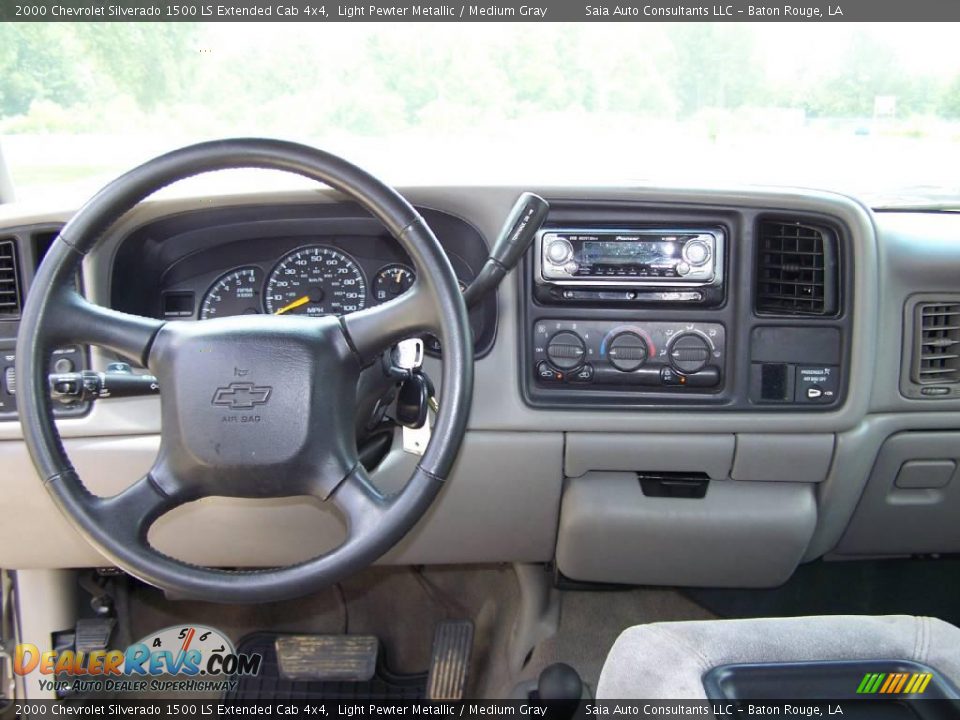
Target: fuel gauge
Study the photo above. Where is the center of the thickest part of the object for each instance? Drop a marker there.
(391, 281)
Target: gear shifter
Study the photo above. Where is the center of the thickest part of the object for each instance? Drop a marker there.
(526, 217)
(559, 682)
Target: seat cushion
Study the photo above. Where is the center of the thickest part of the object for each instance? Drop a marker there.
(668, 660)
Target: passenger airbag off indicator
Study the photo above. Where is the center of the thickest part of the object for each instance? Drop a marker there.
(817, 384)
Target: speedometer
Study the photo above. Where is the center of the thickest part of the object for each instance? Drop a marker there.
(316, 280)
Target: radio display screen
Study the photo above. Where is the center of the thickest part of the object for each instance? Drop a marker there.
(631, 252)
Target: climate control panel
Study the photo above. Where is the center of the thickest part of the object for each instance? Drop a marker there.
(684, 357)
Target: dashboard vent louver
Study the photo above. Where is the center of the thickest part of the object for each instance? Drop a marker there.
(796, 269)
(10, 297)
(936, 357)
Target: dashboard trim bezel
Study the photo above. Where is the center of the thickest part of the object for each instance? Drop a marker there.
(484, 207)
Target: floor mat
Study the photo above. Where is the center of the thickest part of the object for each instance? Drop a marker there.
(591, 620)
(862, 587)
(269, 685)
(368, 603)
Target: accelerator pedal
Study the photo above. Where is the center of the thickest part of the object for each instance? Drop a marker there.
(450, 660)
(327, 658)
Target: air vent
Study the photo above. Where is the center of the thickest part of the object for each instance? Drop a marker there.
(9, 281)
(796, 269)
(936, 358)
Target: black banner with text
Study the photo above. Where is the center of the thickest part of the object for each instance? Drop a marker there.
(537, 11)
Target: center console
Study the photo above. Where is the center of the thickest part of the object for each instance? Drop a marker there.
(629, 355)
(665, 307)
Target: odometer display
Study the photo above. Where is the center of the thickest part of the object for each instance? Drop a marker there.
(316, 280)
(235, 293)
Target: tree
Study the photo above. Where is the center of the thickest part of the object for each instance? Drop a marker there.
(714, 66)
(950, 102)
(151, 62)
(37, 62)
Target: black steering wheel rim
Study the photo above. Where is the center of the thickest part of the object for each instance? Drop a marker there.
(56, 314)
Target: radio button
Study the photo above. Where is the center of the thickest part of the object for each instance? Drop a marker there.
(566, 350)
(696, 252)
(682, 268)
(559, 251)
(627, 351)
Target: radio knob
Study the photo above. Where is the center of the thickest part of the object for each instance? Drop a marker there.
(696, 252)
(566, 350)
(627, 351)
(559, 251)
(688, 352)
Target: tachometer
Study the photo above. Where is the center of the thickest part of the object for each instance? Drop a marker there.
(392, 280)
(236, 293)
(316, 280)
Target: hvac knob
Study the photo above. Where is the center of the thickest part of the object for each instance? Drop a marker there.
(566, 350)
(627, 351)
(688, 352)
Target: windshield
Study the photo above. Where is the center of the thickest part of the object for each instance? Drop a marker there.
(872, 110)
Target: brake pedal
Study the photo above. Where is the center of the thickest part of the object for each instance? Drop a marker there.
(450, 660)
(346, 658)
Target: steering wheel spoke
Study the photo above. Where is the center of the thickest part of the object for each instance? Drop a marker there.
(361, 504)
(129, 514)
(80, 321)
(376, 328)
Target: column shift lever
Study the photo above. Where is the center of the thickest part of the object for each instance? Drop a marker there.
(526, 217)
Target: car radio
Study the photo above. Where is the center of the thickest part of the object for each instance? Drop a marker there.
(674, 265)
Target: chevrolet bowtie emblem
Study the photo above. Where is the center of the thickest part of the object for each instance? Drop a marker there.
(240, 396)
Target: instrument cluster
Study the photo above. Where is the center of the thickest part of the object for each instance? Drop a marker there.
(279, 259)
(310, 280)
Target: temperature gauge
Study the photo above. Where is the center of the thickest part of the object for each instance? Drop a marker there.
(391, 281)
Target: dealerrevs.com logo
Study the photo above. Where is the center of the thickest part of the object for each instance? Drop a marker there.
(187, 658)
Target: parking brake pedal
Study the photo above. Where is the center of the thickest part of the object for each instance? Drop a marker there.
(342, 658)
(450, 660)
(93, 634)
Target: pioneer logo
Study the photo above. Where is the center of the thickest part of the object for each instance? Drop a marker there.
(242, 396)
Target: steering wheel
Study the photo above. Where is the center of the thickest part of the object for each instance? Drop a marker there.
(291, 432)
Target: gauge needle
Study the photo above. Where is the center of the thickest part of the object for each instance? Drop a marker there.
(294, 305)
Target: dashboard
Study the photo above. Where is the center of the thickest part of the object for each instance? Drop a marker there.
(728, 383)
(294, 261)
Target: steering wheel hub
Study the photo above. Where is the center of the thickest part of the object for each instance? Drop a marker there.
(255, 406)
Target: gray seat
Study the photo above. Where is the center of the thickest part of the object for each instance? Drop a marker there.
(669, 660)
